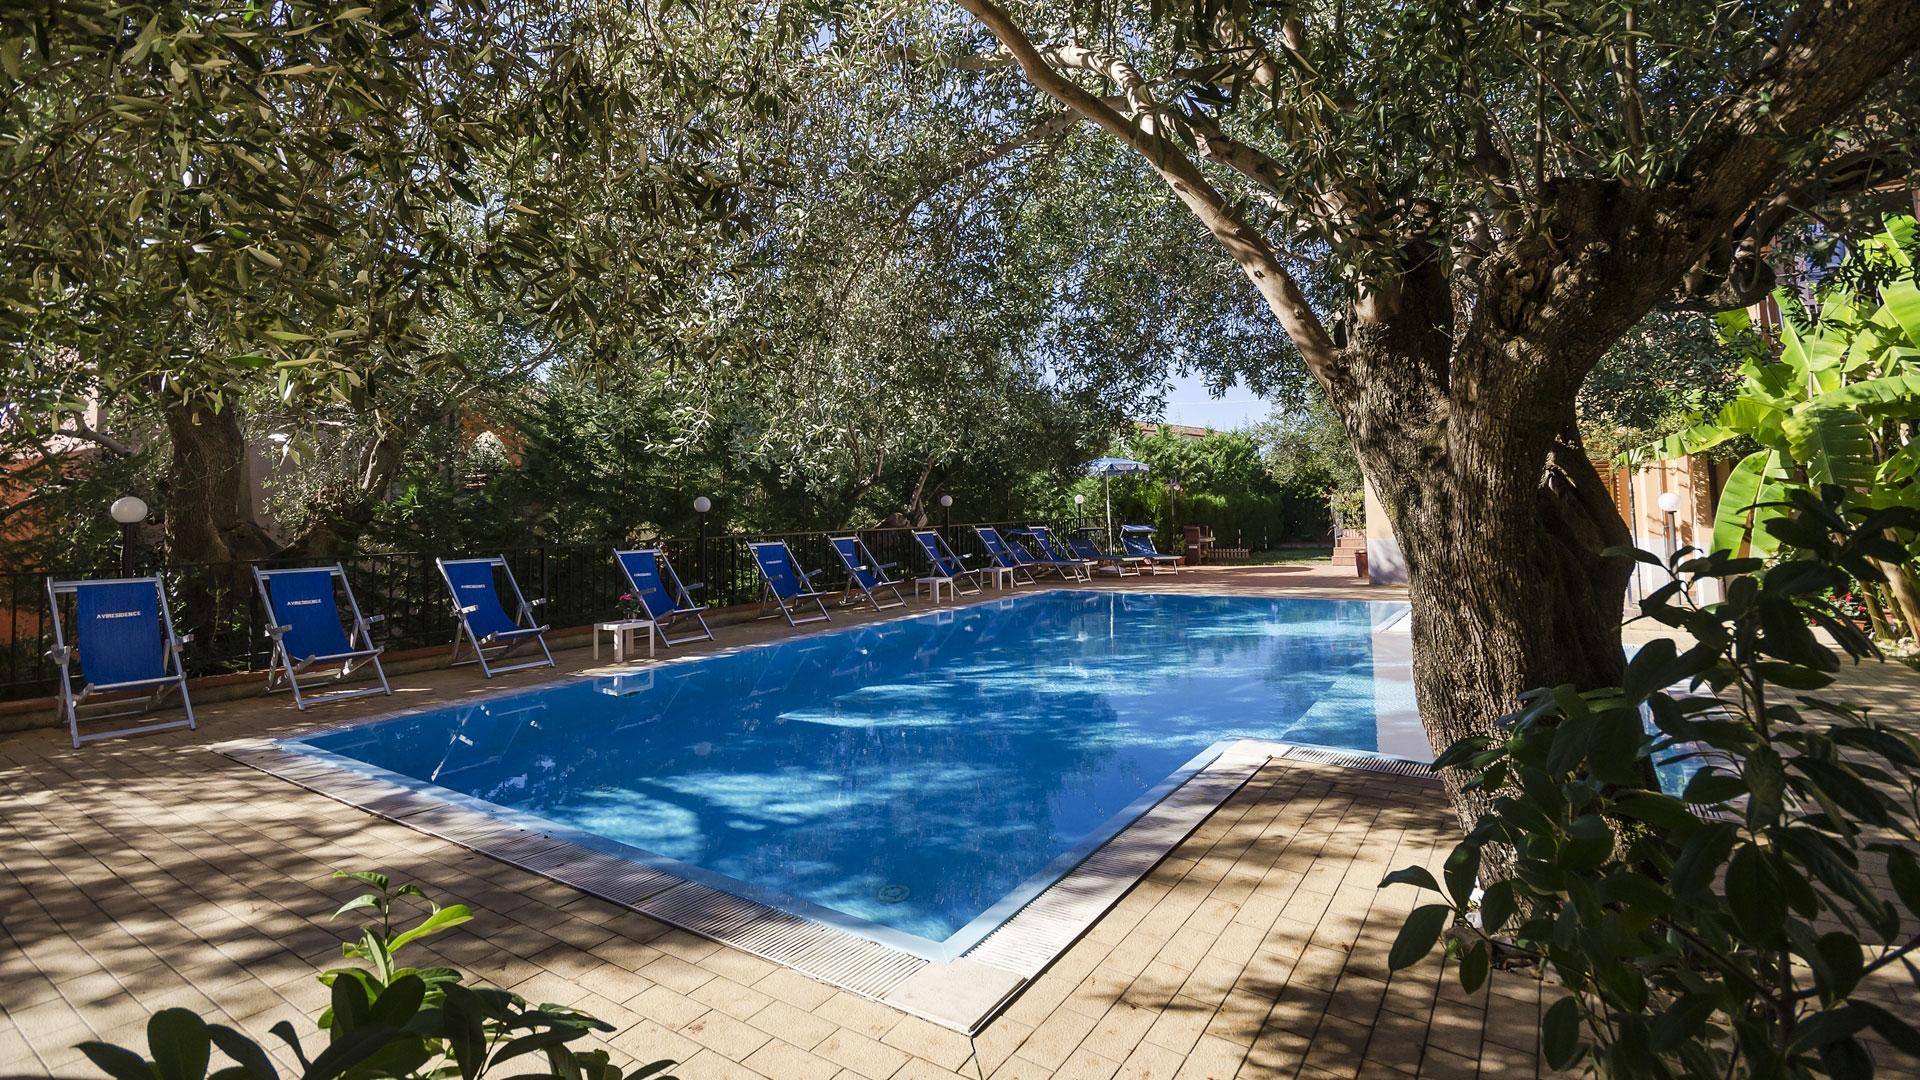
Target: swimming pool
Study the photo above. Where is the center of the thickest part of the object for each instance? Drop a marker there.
(920, 778)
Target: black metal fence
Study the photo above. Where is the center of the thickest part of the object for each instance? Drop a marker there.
(220, 606)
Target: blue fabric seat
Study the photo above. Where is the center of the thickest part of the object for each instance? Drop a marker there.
(651, 577)
(946, 565)
(1005, 555)
(123, 644)
(1081, 544)
(1054, 558)
(867, 573)
(304, 621)
(484, 624)
(788, 585)
(1138, 540)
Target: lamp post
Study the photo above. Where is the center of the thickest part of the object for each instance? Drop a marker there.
(946, 512)
(1079, 515)
(702, 504)
(129, 511)
(1670, 505)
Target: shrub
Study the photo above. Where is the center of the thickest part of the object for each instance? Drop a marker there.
(1724, 932)
(385, 1019)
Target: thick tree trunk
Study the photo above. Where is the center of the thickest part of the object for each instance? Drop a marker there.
(210, 512)
(1502, 522)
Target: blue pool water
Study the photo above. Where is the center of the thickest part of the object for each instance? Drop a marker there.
(914, 773)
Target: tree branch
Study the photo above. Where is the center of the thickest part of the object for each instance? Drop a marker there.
(1048, 127)
(81, 431)
(1246, 246)
(1830, 53)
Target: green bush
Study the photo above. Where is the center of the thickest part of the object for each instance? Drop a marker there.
(1724, 932)
(385, 1020)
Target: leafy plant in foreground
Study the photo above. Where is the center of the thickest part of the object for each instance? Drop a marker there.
(1727, 931)
(385, 1019)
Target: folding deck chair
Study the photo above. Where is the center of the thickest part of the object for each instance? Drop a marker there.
(785, 581)
(123, 643)
(651, 576)
(303, 619)
(867, 572)
(1056, 559)
(1003, 555)
(1138, 540)
(1081, 544)
(484, 623)
(946, 565)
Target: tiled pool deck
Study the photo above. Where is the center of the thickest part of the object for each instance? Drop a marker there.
(141, 873)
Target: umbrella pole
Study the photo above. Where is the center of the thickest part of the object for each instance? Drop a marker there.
(1106, 486)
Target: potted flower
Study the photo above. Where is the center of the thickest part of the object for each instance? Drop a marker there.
(631, 608)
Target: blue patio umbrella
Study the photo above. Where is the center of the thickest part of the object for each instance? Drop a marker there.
(1106, 468)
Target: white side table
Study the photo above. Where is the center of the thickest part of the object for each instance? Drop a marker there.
(623, 631)
(1002, 576)
(933, 585)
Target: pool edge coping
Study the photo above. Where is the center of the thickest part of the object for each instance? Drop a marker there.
(963, 994)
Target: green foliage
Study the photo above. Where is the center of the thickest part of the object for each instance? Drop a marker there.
(1670, 368)
(385, 1019)
(1220, 480)
(1350, 509)
(207, 204)
(1728, 928)
(1307, 450)
(1829, 403)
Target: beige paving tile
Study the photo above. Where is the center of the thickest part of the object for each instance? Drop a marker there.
(858, 1014)
(737, 1001)
(723, 1034)
(793, 1024)
(785, 1061)
(940, 1046)
(869, 1058)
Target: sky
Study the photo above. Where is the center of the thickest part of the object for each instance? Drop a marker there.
(1189, 403)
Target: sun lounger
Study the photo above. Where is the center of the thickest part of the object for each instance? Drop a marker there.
(304, 620)
(123, 644)
(867, 573)
(788, 585)
(1138, 540)
(946, 565)
(1005, 554)
(1082, 546)
(1055, 558)
(484, 623)
(651, 577)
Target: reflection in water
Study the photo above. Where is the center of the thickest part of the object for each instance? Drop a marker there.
(914, 772)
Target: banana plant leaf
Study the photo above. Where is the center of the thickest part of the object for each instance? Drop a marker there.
(1757, 480)
(1900, 301)
(1832, 442)
(1893, 396)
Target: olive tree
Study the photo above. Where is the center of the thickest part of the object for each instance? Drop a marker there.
(205, 201)
(1452, 211)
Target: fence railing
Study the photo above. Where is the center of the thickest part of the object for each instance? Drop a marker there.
(220, 606)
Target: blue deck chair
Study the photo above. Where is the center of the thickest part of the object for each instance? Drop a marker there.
(1054, 558)
(651, 576)
(788, 585)
(1081, 544)
(1138, 540)
(484, 623)
(1023, 556)
(1003, 554)
(867, 572)
(303, 619)
(946, 565)
(123, 643)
